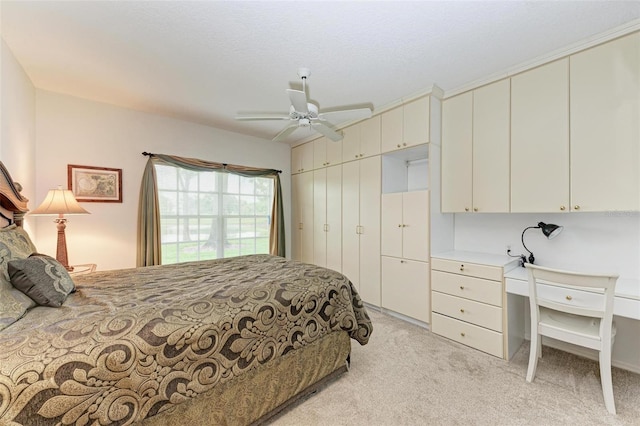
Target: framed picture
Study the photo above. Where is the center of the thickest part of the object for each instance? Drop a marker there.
(95, 184)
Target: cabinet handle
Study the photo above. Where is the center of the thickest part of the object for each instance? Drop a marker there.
(475, 209)
(461, 287)
(576, 207)
(466, 209)
(300, 225)
(356, 155)
(399, 225)
(462, 267)
(402, 261)
(562, 208)
(569, 298)
(462, 334)
(404, 144)
(462, 311)
(361, 155)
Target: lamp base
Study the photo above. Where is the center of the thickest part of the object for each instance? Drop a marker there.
(61, 250)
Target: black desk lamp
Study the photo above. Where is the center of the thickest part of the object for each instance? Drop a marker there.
(548, 229)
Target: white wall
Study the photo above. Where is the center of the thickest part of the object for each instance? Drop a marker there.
(76, 131)
(17, 124)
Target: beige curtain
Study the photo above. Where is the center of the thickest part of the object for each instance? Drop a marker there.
(149, 247)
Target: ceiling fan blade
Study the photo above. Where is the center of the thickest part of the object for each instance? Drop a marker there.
(343, 115)
(285, 132)
(327, 131)
(263, 117)
(298, 100)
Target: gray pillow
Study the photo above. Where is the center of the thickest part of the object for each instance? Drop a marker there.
(42, 278)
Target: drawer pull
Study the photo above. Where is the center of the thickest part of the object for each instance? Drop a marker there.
(462, 334)
(462, 267)
(462, 311)
(569, 298)
(461, 287)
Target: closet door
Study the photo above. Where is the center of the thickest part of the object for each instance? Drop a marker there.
(540, 139)
(415, 230)
(392, 224)
(370, 187)
(334, 218)
(306, 216)
(351, 222)
(320, 217)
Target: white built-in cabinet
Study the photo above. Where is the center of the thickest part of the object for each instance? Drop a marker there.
(405, 126)
(302, 158)
(405, 253)
(475, 150)
(361, 183)
(540, 139)
(361, 140)
(327, 217)
(605, 134)
(326, 152)
(302, 216)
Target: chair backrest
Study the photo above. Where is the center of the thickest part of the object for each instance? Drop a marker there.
(555, 289)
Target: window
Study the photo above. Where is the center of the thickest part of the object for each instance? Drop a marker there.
(208, 215)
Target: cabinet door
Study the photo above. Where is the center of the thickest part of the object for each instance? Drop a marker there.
(415, 229)
(405, 287)
(370, 181)
(540, 139)
(457, 138)
(491, 141)
(296, 159)
(296, 217)
(391, 129)
(306, 216)
(416, 122)
(351, 142)
(392, 224)
(605, 135)
(351, 222)
(319, 153)
(334, 152)
(319, 217)
(334, 218)
(306, 158)
(370, 137)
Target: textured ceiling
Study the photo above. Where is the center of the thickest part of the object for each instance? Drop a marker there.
(206, 61)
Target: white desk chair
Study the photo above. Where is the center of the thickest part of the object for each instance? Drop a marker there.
(583, 318)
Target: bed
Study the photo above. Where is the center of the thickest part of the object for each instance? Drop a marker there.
(228, 341)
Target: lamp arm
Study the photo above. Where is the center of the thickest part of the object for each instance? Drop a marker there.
(531, 258)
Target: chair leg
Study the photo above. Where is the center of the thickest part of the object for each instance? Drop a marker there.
(534, 353)
(605, 378)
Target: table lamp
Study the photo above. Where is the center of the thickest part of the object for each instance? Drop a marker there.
(60, 202)
(548, 229)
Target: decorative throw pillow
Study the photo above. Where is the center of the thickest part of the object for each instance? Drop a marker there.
(14, 244)
(42, 278)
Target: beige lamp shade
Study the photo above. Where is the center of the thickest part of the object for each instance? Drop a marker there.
(58, 202)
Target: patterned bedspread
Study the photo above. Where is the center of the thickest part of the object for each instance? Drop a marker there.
(129, 344)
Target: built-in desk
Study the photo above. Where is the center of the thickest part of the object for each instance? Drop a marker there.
(626, 302)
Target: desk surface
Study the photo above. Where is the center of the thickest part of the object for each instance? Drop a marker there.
(626, 302)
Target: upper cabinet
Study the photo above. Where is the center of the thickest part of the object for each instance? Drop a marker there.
(302, 158)
(326, 152)
(361, 140)
(406, 125)
(475, 150)
(540, 139)
(605, 134)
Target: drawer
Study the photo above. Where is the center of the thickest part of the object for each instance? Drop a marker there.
(468, 334)
(477, 313)
(478, 289)
(468, 269)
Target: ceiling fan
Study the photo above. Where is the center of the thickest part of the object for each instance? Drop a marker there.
(302, 113)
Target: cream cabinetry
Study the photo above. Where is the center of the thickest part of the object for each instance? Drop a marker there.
(302, 216)
(405, 253)
(405, 126)
(605, 134)
(361, 183)
(302, 158)
(468, 300)
(361, 140)
(475, 150)
(326, 152)
(540, 139)
(405, 225)
(327, 217)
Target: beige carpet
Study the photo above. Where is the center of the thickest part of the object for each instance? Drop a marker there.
(406, 375)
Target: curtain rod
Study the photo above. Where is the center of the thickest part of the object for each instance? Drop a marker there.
(148, 154)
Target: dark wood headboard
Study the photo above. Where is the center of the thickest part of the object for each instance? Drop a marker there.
(10, 197)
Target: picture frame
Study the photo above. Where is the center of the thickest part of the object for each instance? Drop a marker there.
(95, 184)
